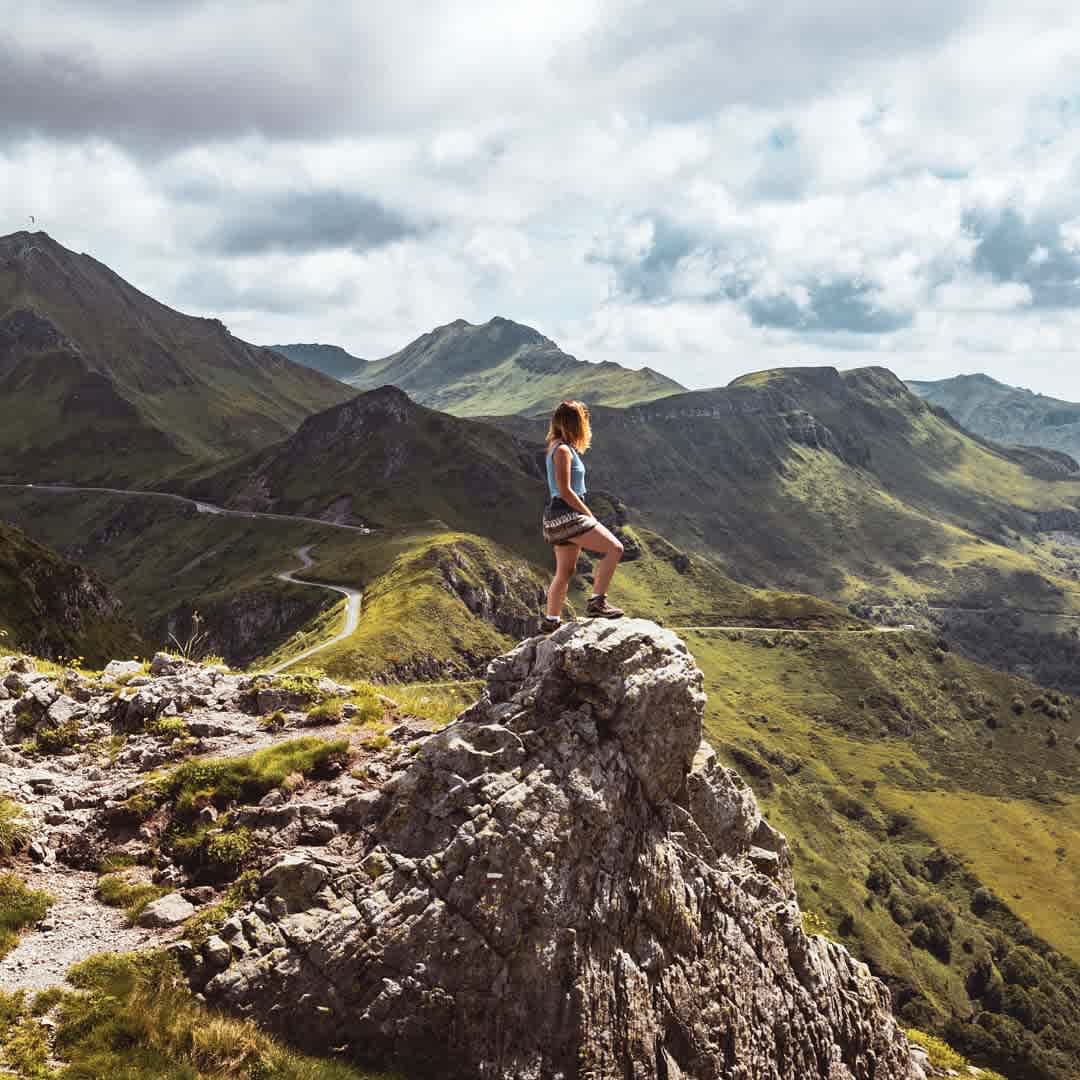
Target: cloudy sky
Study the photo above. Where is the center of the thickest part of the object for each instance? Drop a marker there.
(708, 187)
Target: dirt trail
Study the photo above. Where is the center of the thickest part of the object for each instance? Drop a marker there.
(77, 926)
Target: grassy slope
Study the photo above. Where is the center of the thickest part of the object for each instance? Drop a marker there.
(133, 1018)
(392, 463)
(413, 624)
(885, 752)
(55, 608)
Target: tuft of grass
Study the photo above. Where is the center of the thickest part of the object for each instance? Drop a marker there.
(24, 1045)
(133, 1017)
(274, 721)
(14, 828)
(325, 713)
(943, 1056)
(441, 703)
(376, 743)
(168, 727)
(223, 781)
(118, 890)
(206, 922)
(368, 704)
(20, 906)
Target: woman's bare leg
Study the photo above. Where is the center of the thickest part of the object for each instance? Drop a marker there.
(565, 561)
(610, 548)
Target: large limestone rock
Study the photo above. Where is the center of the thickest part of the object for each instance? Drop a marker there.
(564, 883)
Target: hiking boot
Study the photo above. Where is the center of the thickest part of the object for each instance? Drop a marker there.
(599, 608)
(549, 624)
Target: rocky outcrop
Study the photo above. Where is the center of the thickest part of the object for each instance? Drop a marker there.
(563, 883)
(507, 595)
(1063, 520)
(57, 608)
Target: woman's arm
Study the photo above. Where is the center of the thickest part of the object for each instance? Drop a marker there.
(562, 481)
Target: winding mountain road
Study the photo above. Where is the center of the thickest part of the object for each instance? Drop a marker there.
(202, 507)
(354, 599)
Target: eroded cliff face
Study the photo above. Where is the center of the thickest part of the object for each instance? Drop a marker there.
(563, 883)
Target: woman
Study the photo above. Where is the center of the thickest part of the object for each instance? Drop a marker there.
(569, 525)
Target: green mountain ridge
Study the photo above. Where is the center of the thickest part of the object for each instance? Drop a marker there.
(843, 485)
(498, 367)
(103, 383)
(1006, 414)
(383, 460)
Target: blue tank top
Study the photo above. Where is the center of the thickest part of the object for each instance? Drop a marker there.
(577, 472)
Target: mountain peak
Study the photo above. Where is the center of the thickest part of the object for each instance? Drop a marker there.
(179, 389)
(503, 366)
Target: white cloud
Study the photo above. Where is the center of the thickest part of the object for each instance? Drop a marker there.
(708, 188)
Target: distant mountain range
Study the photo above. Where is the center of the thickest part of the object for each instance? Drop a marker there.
(331, 360)
(100, 382)
(1006, 414)
(498, 368)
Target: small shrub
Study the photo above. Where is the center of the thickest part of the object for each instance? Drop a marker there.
(1022, 967)
(329, 712)
(14, 828)
(55, 740)
(982, 901)
(274, 722)
(900, 911)
(879, 881)
(377, 743)
(227, 851)
(944, 1057)
(168, 727)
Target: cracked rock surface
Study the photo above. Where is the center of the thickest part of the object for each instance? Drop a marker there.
(563, 883)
